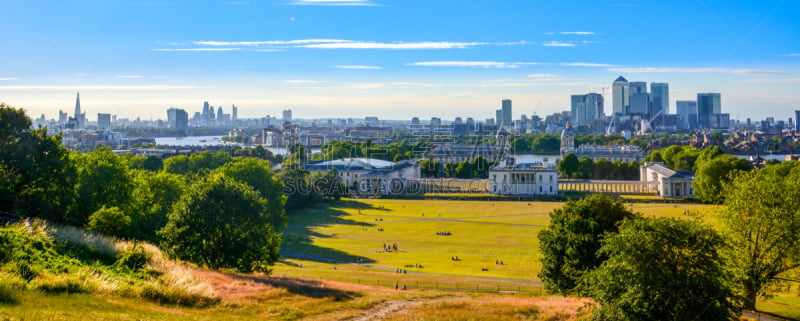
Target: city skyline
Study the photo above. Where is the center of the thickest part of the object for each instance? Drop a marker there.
(392, 59)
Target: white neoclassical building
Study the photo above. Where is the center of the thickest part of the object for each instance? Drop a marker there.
(671, 183)
(523, 179)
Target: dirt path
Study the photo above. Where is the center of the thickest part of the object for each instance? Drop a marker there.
(388, 308)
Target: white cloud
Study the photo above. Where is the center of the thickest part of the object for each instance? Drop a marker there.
(544, 76)
(586, 64)
(267, 43)
(558, 44)
(698, 70)
(394, 45)
(129, 76)
(358, 67)
(7, 78)
(95, 87)
(473, 64)
(333, 3)
(196, 49)
(793, 55)
(304, 81)
(583, 33)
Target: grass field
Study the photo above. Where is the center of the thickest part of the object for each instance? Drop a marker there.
(326, 237)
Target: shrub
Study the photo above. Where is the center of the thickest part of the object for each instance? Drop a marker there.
(111, 221)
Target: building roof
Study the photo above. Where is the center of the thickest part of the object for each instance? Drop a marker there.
(357, 164)
(620, 78)
(524, 167)
(591, 150)
(456, 150)
(662, 170)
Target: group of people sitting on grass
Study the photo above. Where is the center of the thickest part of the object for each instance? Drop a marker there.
(390, 247)
(444, 233)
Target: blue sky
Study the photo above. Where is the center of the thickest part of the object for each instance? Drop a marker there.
(392, 58)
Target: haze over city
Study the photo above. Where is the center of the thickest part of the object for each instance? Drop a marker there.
(390, 58)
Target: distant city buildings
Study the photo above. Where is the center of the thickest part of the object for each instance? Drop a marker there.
(178, 120)
(586, 108)
(503, 115)
(287, 115)
(620, 95)
(103, 121)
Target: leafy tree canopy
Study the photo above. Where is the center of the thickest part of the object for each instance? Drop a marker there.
(570, 242)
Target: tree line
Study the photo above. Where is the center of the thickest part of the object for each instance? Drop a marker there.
(209, 208)
(640, 268)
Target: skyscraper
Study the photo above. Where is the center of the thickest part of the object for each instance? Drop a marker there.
(640, 103)
(797, 120)
(234, 113)
(586, 108)
(103, 121)
(287, 115)
(178, 120)
(709, 103)
(507, 112)
(80, 118)
(638, 87)
(659, 96)
(687, 112)
(620, 95)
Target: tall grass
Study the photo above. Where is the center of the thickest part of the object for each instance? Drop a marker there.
(126, 268)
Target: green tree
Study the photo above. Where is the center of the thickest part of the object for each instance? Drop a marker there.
(762, 222)
(481, 167)
(36, 170)
(222, 223)
(569, 165)
(430, 169)
(153, 163)
(152, 199)
(257, 174)
(570, 242)
(109, 220)
(715, 173)
(297, 187)
(104, 179)
(585, 167)
(179, 164)
(662, 269)
(328, 185)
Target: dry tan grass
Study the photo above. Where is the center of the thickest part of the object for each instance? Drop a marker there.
(495, 307)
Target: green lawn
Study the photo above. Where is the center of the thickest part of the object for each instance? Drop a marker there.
(482, 232)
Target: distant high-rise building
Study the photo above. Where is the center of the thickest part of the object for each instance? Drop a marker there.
(506, 108)
(234, 113)
(640, 103)
(797, 120)
(372, 121)
(709, 111)
(620, 95)
(458, 121)
(80, 118)
(415, 121)
(436, 121)
(287, 115)
(78, 105)
(220, 114)
(178, 120)
(103, 121)
(709, 103)
(62, 117)
(686, 111)
(659, 95)
(638, 87)
(586, 108)
(498, 116)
